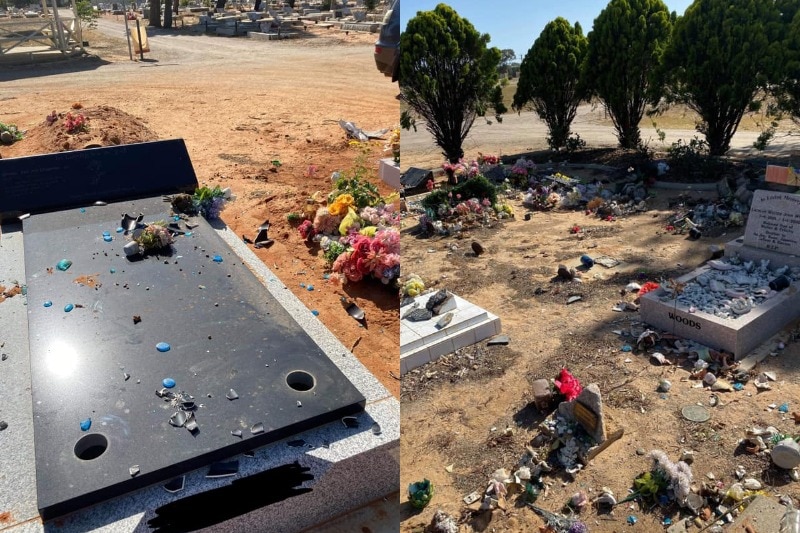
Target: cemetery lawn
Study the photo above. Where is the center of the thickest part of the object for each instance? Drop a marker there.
(455, 411)
(258, 117)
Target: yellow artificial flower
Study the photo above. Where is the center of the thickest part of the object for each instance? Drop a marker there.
(369, 231)
(350, 219)
(341, 204)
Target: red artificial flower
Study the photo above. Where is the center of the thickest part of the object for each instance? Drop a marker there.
(306, 229)
(568, 385)
(670, 228)
(429, 185)
(575, 229)
(647, 287)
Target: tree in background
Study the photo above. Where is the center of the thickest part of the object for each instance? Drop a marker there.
(720, 58)
(448, 77)
(168, 13)
(507, 57)
(155, 13)
(550, 78)
(625, 47)
(86, 13)
(788, 90)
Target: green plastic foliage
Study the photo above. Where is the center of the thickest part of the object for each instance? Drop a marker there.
(722, 52)
(448, 76)
(625, 48)
(550, 78)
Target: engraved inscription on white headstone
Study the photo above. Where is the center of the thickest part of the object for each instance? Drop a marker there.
(774, 222)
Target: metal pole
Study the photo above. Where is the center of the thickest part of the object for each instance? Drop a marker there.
(139, 33)
(127, 30)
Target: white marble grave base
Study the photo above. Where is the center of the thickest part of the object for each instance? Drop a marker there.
(738, 336)
(389, 172)
(423, 342)
(751, 253)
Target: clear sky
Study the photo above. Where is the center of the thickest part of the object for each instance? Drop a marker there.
(516, 24)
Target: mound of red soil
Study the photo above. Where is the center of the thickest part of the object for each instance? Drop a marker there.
(106, 126)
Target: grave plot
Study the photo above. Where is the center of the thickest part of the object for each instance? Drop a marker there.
(737, 303)
(149, 366)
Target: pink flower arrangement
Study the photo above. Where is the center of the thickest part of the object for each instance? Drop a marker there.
(462, 169)
(306, 229)
(378, 256)
(568, 385)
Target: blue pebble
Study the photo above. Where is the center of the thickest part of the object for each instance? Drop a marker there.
(120, 229)
(168, 383)
(218, 259)
(315, 312)
(187, 234)
(784, 408)
(83, 209)
(86, 424)
(176, 218)
(113, 270)
(163, 347)
(632, 519)
(310, 288)
(108, 238)
(667, 521)
(738, 386)
(106, 234)
(48, 303)
(68, 308)
(627, 348)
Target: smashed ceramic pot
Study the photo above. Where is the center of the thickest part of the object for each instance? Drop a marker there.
(130, 223)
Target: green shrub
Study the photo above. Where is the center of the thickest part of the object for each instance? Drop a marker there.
(478, 187)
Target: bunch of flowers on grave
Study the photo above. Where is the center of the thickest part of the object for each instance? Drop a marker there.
(462, 170)
(522, 171)
(77, 123)
(503, 210)
(154, 237)
(541, 197)
(209, 202)
(486, 162)
(665, 479)
(412, 287)
(357, 230)
(9, 133)
(470, 201)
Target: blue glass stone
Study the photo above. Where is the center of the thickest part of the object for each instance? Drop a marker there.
(106, 234)
(784, 408)
(83, 209)
(113, 270)
(48, 303)
(162, 347)
(218, 259)
(168, 383)
(64, 264)
(315, 312)
(108, 238)
(310, 288)
(68, 308)
(187, 234)
(627, 348)
(86, 424)
(120, 229)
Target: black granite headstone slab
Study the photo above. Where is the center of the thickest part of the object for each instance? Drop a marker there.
(414, 177)
(65, 180)
(225, 331)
